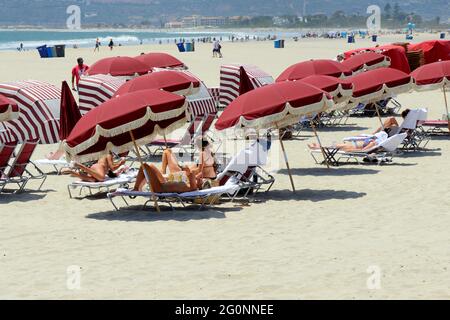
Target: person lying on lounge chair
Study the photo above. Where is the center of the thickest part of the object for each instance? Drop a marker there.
(391, 123)
(105, 166)
(204, 168)
(160, 184)
(357, 146)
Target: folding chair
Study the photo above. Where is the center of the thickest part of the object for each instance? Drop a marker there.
(18, 173)
(6, 153)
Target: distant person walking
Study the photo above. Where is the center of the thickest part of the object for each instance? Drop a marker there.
(217, 49)
(111, 44)
(97, 45)
(79, 70)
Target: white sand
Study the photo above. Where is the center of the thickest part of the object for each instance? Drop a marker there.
(317, 243)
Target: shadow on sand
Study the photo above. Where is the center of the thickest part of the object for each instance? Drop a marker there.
(26, 196)
(137, 213)
(312, 195)
(323, 171)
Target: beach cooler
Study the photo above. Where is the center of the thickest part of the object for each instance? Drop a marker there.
(60, 50)
(442, 35)
(181, 47)
(42, 51)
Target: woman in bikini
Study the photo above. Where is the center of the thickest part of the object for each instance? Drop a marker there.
(105, 166)
(195, 173)
(359, 145)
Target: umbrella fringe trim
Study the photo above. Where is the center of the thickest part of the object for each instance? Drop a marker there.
(432, 86)
(289, 112)
(107, 133)
(383, 93)
(71, 155)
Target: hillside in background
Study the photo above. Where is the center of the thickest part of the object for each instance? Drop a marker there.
(53, 13)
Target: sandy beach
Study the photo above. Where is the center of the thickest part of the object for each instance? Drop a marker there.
(320, 243)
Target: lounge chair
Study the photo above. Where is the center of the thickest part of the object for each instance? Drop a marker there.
(382, 153)
(6, 153)
(18, 173)
(57, 165)
(246, 168)
(434, 127)
(201, 197)
(123, 180)
(416, 139)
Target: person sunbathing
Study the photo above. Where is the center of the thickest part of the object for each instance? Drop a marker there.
(205, 167)
(160, 184)
(391, 125)
(358, 145)
(104, 167)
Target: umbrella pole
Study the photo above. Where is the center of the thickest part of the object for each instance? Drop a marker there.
(446, 106)
(287, 161)
(379, 116)
(320, 144)
(144, 169)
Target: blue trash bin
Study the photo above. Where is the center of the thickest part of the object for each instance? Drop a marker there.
(189, 46)
(442, 35)
(54, 54)
(374, 38)
(42, 51)
(351, 39)
(181, 47)
(49, 52)
(277, 44)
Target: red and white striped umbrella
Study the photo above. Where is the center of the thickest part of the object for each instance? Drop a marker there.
(117, 124)
(171, 81)
(9, 110)
(39, 105)
(94, 90)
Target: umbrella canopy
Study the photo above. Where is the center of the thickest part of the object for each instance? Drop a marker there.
(144, 113)
(379, 84)
(433, 50)
(334, 86)
(304, 69)
(38, 112)
(118, 66)
(9, 110)
(69, 113)
(172, 81)
(277, 104)
(339, 90)
(366, 61)
(432, 76)
(160, 60)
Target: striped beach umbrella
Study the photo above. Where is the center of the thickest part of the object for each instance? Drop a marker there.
(39, 104)
(94, 90)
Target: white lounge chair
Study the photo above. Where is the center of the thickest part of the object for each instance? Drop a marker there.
(58, 165)
(123, 180)
(382, 153)
(203, 197)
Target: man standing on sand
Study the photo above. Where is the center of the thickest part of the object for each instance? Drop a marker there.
(97, 45)
(216, 49)
(111, 44)
(78, 71)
